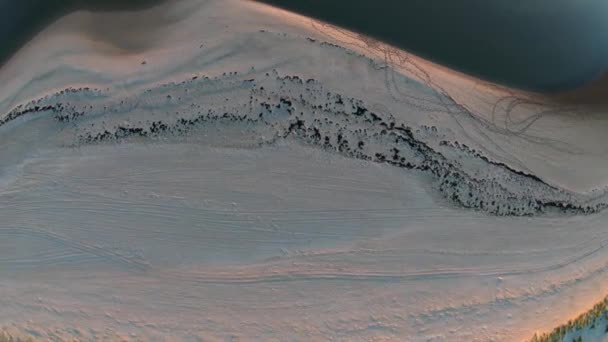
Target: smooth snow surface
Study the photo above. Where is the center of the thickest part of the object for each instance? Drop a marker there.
(240, 172)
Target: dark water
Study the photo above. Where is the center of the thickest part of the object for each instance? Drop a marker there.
(544, 45)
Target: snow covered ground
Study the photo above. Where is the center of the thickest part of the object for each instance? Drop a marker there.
(220, 169)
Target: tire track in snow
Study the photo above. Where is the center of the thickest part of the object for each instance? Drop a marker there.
(313, 274)
(87, 248)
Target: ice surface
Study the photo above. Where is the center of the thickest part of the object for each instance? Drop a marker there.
(249, 173)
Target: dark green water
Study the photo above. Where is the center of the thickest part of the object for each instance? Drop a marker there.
(542, 45)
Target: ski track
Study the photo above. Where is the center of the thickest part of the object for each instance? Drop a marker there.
(284, 179)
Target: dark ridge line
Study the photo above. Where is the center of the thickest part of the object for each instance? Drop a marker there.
(432, 161)
(298, 124)
(15, 114)
(477, 154)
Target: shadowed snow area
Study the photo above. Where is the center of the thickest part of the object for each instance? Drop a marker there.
(244, 172)
(22, 20)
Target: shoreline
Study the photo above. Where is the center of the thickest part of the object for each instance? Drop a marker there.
(517, 46)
